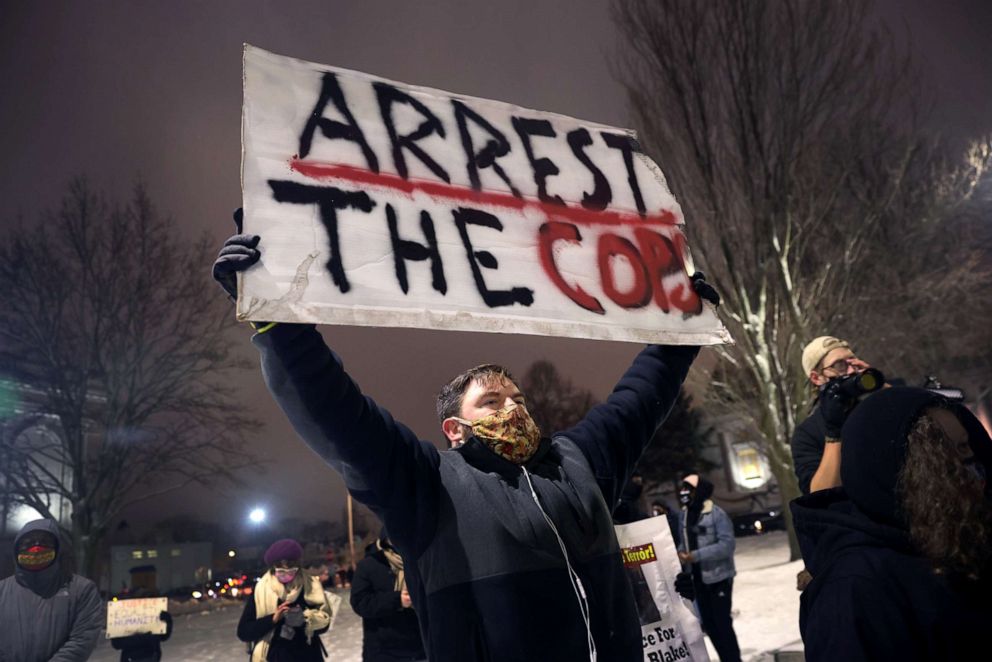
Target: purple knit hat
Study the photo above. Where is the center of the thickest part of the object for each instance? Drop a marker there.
(286, 549)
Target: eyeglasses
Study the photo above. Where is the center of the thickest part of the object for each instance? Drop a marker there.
(841, 365)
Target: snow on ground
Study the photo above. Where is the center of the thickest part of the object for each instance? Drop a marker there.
(765, 597)
(765, 600)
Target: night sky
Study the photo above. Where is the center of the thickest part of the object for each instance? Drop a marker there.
(122, 91)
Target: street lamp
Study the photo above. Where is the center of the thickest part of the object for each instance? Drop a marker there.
(257, 515)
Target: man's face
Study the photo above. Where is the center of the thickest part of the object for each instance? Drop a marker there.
(480, 400)
(837, 363)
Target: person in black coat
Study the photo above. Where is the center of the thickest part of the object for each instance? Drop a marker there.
(901, 555)
(143, 647)
(390, 631)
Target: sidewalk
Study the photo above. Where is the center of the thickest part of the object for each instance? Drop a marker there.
(766, 602)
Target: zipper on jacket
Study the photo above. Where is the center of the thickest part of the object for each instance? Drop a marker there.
(580, 592)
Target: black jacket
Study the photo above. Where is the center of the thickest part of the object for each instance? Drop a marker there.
(873, 597)
(485, 569)
(389, 632)
(807, 448)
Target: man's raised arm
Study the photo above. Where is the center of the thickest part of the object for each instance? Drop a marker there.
(614, 434)
(382, 462)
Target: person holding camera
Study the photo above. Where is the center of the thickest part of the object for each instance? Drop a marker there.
(841, 377)
(286, 611)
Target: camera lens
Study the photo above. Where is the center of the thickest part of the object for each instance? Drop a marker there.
(868, 381)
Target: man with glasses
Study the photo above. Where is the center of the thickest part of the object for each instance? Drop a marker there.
(816, 441)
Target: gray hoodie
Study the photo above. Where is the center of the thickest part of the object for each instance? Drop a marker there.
(49, 615)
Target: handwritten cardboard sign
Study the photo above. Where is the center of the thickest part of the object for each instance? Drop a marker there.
(136, 616)
(383, 204)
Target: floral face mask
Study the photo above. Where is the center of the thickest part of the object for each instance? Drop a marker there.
(510, 433)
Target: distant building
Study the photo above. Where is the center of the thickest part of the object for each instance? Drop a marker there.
(164, 568)
(742, 479)
(29, 432)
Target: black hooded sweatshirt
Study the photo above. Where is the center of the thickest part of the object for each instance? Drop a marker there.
(873, 595)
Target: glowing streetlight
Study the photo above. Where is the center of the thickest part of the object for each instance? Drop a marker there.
(231, 553)
(257, 516)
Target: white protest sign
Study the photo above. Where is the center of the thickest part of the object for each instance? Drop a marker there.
(670, 630)
(136, 616)
(383, 204)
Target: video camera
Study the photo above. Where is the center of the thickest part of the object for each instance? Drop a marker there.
(952, 394)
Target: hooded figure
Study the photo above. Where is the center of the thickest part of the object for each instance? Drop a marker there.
(707, 546)
(47, 612)
(901, 554)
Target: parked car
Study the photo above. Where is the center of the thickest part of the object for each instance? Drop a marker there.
(757, 523)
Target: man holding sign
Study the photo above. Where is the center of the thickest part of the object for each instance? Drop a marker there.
(507, 537)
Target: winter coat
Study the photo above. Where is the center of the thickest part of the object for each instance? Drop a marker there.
(710, 538)
(257, 627)
(807, 447)
(389, 632)
(485, 569)
(873, 597)
(49, 615)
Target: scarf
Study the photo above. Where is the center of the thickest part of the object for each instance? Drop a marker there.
(395, 565)
(269, 592)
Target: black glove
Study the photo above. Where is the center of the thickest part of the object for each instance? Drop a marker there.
(238, 254)
(835, 405)
(704, 289)
(684, 586)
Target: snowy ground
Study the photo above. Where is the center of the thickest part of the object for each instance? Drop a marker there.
(766, 603)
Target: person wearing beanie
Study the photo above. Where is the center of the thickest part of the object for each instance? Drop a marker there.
(901, 555)
(47, 613)
(816, 441)
(379, 594)
(287, 610)
(707, 549)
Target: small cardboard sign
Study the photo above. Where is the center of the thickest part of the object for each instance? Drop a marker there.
(136, 616)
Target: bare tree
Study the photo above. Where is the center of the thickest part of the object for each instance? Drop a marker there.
(554, 402)
(676, 448)
(111, 317)
(790, 132)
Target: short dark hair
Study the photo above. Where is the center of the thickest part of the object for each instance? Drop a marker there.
(449, 400)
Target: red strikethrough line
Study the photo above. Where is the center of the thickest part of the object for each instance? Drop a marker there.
(323, 171)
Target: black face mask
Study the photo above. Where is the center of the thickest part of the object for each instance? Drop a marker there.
(686, 492)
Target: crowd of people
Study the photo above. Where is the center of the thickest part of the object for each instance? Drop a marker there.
(502, 547)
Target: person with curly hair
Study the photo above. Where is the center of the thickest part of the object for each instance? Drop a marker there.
(901, 555)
